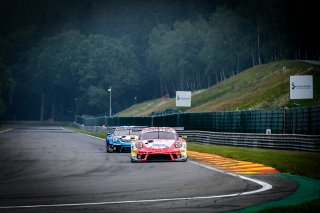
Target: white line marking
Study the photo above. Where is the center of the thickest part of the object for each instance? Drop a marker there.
(265, 187)
(6, 130)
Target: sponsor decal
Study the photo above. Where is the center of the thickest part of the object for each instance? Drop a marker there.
(159, 143)
(155, 129)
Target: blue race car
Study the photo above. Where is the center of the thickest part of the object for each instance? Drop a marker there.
(120, 140)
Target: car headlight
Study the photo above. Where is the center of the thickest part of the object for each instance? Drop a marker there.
(178, 144)
(139, 145)
(114, 139)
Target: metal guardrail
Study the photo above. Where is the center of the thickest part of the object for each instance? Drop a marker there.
(104, 129)
(101, 129)
(276, 141)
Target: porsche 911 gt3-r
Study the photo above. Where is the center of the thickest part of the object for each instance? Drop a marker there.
(159, 144)
(120, 140)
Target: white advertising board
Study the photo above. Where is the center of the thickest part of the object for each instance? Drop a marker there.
(301, 87)
(183, 98)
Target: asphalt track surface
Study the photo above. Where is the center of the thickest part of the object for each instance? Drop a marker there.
(50, 169)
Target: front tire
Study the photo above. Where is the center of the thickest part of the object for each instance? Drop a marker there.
(109, 149)
(133, 161)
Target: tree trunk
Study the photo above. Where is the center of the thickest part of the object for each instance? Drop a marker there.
(42, 107)
(252, 54)
(259, 58)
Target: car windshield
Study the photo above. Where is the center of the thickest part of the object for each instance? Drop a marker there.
(158, 135)
(122, 132)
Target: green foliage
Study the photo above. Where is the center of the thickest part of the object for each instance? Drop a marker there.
(83, 68)
(142, 49)
(7, 85)
(196, 54)
(227, 48)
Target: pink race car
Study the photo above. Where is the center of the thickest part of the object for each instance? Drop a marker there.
(159, 144)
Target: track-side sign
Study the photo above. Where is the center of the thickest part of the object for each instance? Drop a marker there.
(183, 98)
(301, 87)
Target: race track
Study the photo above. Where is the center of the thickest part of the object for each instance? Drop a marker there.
(50, 169)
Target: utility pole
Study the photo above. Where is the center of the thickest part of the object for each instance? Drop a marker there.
(110, 111)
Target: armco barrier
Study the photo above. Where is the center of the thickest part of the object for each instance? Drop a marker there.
(104, 129)
(101, 129)
(277, 141)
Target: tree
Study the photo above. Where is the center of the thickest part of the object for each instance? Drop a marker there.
(227, 45)
(175, 54)
(7, 85)
(194, 55)
(109, 64)
(53, 71)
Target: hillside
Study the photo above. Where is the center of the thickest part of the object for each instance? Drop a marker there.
(260, 87)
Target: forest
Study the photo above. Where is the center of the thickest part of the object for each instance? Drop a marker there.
(59, 58)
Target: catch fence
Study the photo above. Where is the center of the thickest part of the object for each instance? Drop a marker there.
(299, 120)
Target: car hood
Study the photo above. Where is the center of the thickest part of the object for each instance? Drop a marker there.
(158, 143)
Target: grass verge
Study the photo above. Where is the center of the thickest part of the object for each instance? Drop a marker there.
(311, 206)
(96, 134)
(3, 129)
(293, 162)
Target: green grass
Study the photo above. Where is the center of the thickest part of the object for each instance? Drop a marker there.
(265, 86)
(311, 206)
(293, 162)
(260, 87)
(96, 134)
(147, 107)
